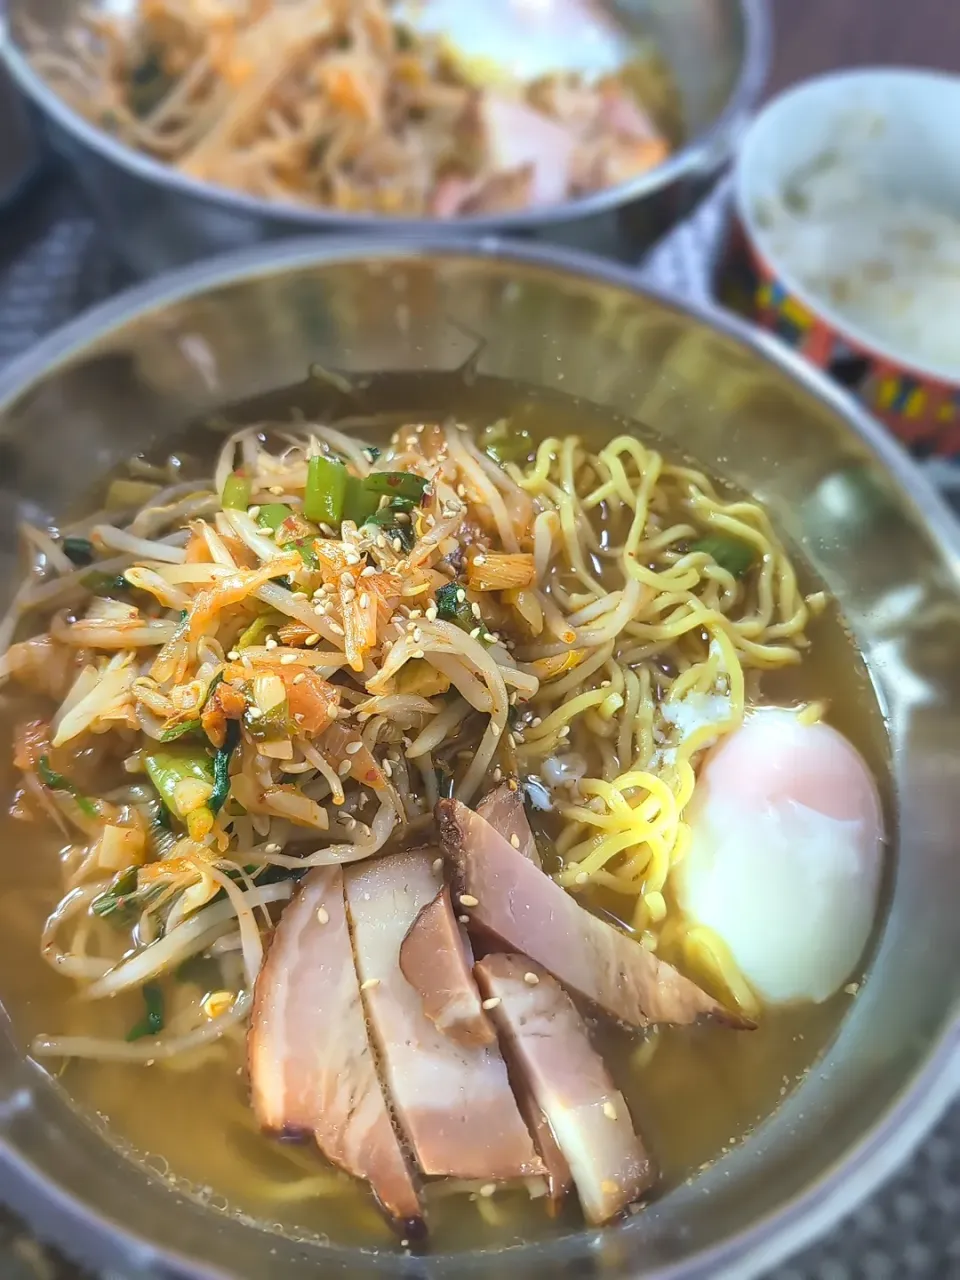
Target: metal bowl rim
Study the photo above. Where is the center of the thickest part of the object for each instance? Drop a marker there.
(699, 157)
(59, 1215)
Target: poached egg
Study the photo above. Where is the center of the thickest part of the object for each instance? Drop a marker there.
(786, 854)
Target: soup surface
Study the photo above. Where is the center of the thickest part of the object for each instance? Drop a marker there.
(541, 492)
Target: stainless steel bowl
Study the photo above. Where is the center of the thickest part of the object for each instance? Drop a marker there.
(146, 364)
(157, 218)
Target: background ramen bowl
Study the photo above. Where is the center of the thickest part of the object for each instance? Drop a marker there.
(911, 152)
(156, 217)
(146, 364)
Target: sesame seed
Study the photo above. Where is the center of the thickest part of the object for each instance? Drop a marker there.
(417, 635)
(287, 658)
(531, 979)
(312, 639)
(387, 768)
(431, 614)
(320, 609)
(344, 767)
(349, 595)
(437, 865)
(414, 613)
(397, 545)
(461, 595)
(300, 678)
(515, 840)
(253, 512)
(369, 983)
(418, 653)
(468, 900)
(234, 655)
(495, 729)
(488, 1189)
(369, 571)
(461, 491)
(491, 637)
(254, 713)
(491, 1003)
(475, 610)
(382, 541)
(353, 747)
(536, 722)
(272, 847)
(480, 559)
(276, 490)
(323, 915)
(353, 557)
(364, 600)
(564, 732)
(270, 643)
(464, 919)
(581, 878)
(512, 784)
(335, 627)
(474, 633)
(327, 530)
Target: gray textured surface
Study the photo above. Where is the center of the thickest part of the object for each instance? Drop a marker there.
(52, 264)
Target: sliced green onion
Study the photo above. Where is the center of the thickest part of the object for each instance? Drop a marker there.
(326, 491)
(732, 554)
(397, 484)
(236, 492)
(360, 501)
(151, 1024)
(166, 769)
(124, 901)
(57, 782)
(259, 627)
(273, 514)
(505, 441)
(102, 584)
(79, 550)
(221, 768)
(180, 730)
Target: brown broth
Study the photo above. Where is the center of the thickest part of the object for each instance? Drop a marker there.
(698, 1092)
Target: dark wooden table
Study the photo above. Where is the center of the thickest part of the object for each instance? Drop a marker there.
(820, 35)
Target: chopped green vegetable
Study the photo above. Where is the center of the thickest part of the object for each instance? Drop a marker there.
(102, 584)
(151, 1024)
(236, 492)
(259, 627)
(397, 484)
(166, 769)
(360, 502)
(180, 730)
(307, 553)
(124, 493)
(272, 515)
(450, 609)
(79, 550)
(124, 901)
(326, 491)
(506, 441)
(149, 82)
(57, 782)
(386, 516)
(732, 554)
(221, 768)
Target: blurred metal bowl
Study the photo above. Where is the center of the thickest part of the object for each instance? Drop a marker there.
(156, 217)
(180, 349)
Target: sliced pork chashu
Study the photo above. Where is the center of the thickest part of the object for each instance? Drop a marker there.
(436, 959)
(311, 1067)
(503, 809)
(453, 1101)
(526, 911)
(548, 1046)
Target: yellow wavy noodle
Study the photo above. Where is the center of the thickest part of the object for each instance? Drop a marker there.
(693, 633)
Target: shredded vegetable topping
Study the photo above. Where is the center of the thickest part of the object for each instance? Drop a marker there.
(286, 666)
(340, 103)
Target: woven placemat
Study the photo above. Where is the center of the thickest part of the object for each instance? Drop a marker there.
(53, 263)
